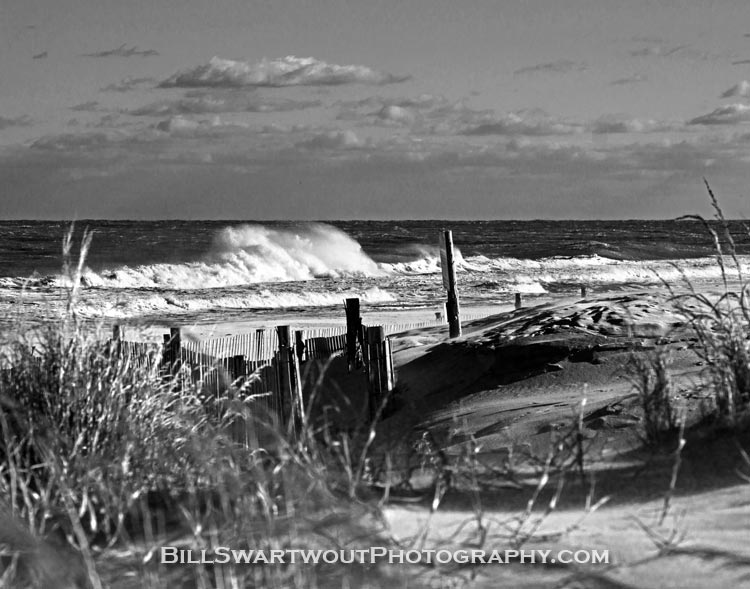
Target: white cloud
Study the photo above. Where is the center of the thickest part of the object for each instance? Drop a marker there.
(618, 124)
(397, 114)
(128, 84)
(560, 66)
(532, 123)
(730, 114)
(333, 140)
(124, 51)
(285, 71)
(742, 90)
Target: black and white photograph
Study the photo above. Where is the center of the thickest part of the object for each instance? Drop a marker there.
(374, 294)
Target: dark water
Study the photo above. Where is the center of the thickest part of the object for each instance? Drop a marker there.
(195, 268)
(35, 246)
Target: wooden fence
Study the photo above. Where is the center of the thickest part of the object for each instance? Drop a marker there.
(265, 372)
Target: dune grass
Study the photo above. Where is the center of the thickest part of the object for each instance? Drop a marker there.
(721, 324)
(99, 449)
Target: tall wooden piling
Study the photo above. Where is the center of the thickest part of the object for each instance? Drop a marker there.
(288, 378)
(353, 328)
(583, 291)
(519, 300)
(448, 266)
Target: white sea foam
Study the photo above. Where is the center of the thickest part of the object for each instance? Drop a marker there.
(252, 254)
(578, 269)
(100, 304)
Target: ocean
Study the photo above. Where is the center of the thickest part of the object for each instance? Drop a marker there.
(199, 270)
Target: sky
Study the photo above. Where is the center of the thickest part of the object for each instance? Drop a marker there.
(373, 109)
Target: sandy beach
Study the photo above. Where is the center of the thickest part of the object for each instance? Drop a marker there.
(519, 380)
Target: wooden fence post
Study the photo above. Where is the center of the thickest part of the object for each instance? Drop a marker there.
(238, 367)
(290, 386)
(299, 345)
(519, 300)
(353, 324)
(448, 266)
(175, 343)
(380, 368)
(116, 340)
(171, 360)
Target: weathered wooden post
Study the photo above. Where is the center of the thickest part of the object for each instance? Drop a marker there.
(380, 368)
(448, 266)
(375, 337)
(299, 346)
(583, 291)
(238, 367)
(170, 358)
(353, 324)
(390, 378)
(175, 343)
(519, 300)
(116, 348)
(287, 373)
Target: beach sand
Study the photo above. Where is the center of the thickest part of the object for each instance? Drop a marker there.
(474, 419)
(516, 381)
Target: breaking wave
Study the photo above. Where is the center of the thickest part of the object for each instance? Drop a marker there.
(252, 254)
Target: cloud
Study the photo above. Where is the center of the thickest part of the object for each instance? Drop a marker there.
(658, 51)
(683, 51)
(742, 89)
(42, 55)
(531, 123)
(180, 124)
(619, 124)
(285, 71)
(634, 79)
(128, 84)
(741, 62)
(730, 114)
(200, 102)
(109, 121)
(124, 51)
(333, 140)
(397, 114)
(21, 121)
(429, 114)
(298, 173)
(90, 106)
(69, 142)
(376, 110)
(560, 66)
